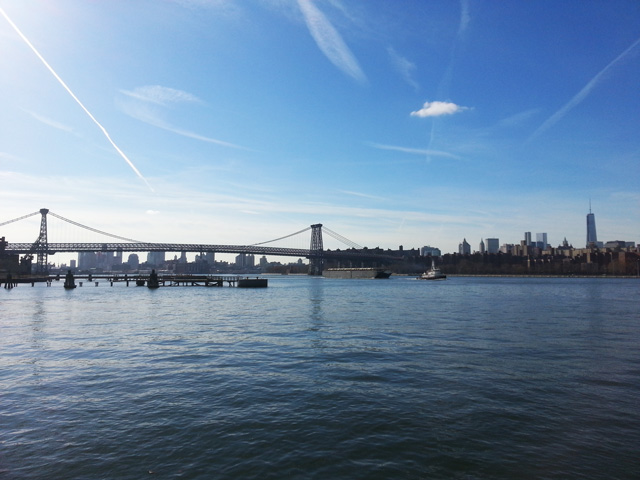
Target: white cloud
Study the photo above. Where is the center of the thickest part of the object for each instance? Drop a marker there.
(329, 41)
(161, 95)
(437, 109)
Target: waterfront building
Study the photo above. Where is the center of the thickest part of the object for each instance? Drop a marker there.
(133, 261)
(427, 251)
(464, 248)
(616, 244)
(87, 260)
(508, 248)
(493, 245)
(482, 249)
(156, 258)
(245, 260)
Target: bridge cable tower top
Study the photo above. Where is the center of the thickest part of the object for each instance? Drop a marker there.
(41, 245)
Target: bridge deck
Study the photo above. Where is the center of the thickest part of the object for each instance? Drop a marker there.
(53, 248)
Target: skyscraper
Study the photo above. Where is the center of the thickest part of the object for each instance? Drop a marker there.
(464, 248)
(541, 240)
(592, 238)
(493, 245)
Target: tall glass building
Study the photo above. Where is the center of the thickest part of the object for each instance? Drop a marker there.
(592, 238)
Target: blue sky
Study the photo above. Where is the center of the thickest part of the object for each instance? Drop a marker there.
(393, 123)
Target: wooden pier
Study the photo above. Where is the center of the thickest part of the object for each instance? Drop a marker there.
(163, 280)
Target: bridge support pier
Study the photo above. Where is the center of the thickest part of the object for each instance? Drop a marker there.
(316, 257)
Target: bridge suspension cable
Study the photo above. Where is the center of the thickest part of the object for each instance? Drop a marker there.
(19, 218)
(94, 229)
(281, 238)
(342, 239)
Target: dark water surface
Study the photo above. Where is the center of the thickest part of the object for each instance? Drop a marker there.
(323, 378)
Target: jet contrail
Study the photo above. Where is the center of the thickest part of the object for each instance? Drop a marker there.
(64, 85)
(582, 94)
(329, 41)
(445, 82)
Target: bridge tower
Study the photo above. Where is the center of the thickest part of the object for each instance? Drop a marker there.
(316, 254)
(41, 245)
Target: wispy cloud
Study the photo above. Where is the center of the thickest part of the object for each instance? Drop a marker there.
(217, 4)
(160, 95)
(9, 157)
(404, 66)
(144, 102)
(518, 118)
(77, 100)
(437, 109)
(416, 151)
(582, 94)
(465, 18)
(329, 41)
(447, 77)
(50, 122)
(362, 195)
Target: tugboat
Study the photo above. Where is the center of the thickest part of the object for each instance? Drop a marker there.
(69, 281)
(433, 273)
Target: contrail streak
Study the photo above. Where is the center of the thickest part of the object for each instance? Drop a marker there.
(582, 94)
(64, 85)
(329, 41)
(445, 83)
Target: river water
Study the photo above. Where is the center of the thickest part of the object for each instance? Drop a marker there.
(318, 378)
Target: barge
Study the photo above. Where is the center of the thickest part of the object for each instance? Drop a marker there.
(356, 273)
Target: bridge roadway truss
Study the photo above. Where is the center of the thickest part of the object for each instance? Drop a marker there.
(316, 253)
(53, 248)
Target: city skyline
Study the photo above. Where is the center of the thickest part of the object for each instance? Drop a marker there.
(493, 244)
(195, 121)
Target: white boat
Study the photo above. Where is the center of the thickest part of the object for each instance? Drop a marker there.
(433, 273)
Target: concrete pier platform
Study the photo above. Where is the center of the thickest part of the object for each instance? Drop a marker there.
(252, 283)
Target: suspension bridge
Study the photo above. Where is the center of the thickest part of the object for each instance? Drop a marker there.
(41, 248)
